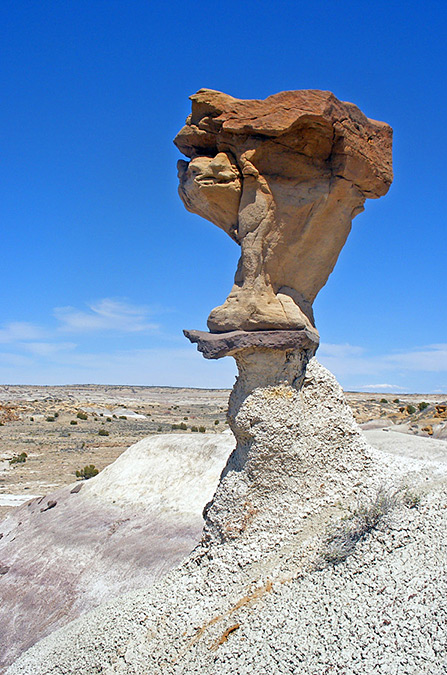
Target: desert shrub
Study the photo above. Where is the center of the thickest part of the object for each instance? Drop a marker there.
(73, 422)
(396, 400)
(341, 542)
(383, 400)
(185, 418)
(114, 417)
(160, 429)
(81, 416)
(216, 422)
(181, 426)
(410, 498)
(50, 418)
(56, 414)
(31, 419)
(18, 459)
(410, 409)
(194, 429)
(103, 432)
(202, 429)
(122, 417)
(87, 472)
(108, 419)
(422, 405)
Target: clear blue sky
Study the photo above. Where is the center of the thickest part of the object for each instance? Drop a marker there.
(102, 267)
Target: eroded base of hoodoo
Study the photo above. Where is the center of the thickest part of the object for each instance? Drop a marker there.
(301, 465)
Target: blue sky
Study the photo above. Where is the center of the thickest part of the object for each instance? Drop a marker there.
(101, 265)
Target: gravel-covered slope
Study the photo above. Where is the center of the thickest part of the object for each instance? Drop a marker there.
(381, 609)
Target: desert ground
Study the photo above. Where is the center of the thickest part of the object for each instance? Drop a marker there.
(62, 429)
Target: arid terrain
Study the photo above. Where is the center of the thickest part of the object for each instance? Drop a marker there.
(62, 429)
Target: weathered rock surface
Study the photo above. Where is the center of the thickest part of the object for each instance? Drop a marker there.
(250, 599)
(119, 531)
(284, 177)
(217, 345)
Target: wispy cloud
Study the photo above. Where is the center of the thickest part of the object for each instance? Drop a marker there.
(48, 348)
(429, 358)
(20, 330)
(381, 387)
(105, 315)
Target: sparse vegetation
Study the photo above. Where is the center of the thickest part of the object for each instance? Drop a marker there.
(81, 415)
(50, 418)
(122, 417)
(18, 459)
(410, 409)
(73, 422)
(396, 400)
(108, 419)
(194, 429)
(87, 472)
(383, 400)
(422, 405)
(103, 432)
(216, 422)
(341, 542)
(181, 426)
(202, 429)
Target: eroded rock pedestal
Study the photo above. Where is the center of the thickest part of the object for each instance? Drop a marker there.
(284, 177)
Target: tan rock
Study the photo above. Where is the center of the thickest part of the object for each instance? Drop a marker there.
(284, 177)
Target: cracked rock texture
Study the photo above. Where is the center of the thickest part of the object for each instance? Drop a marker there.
(284, 177)
(251, 598)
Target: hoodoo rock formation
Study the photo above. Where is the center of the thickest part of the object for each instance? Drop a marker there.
(284, 177)
(294, 572)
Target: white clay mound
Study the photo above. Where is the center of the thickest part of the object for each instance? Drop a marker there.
(66, 553)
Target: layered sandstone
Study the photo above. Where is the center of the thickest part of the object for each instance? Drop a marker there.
(284, 177)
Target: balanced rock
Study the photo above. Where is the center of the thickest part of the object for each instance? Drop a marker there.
(284, 177)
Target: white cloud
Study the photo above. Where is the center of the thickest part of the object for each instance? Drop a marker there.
(20, 330)
(340, 351)
(48, 348)
(105, 315)
(379, 387)
(430, 358)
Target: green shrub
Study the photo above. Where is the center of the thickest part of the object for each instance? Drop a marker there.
(56, 414)
(122, 417)
(81, 416)
(194, 429)
(31, 419)
(202, 430)
(50, 418)
(160, 429)
(73, 422)
(103, 432)
(396, 400)
(19, 459)
(108, 419)
(216, 422)
(181, 426)
(422, 405)
(185, 418)
(383, 400)
(87, 472)
(410, 409)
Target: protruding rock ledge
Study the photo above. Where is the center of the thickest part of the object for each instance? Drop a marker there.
(217, 345)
